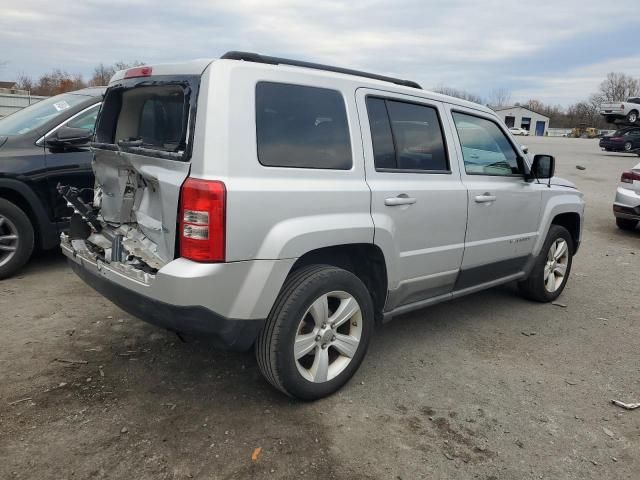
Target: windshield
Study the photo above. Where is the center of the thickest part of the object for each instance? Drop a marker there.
(36, 115)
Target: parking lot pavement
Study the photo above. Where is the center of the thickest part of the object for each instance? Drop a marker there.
(489, 386)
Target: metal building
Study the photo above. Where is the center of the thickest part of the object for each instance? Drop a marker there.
(13, 99)
(522, 117)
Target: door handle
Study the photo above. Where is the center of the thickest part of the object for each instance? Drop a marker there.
(485, 198)
(402, 199)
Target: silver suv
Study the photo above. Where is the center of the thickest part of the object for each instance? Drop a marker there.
(290, 206)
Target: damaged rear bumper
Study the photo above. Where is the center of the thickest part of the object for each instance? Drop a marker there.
(179, 297)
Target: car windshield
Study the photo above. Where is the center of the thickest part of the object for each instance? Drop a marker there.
(36, 115)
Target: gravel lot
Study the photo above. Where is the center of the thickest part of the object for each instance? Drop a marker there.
(489, 386)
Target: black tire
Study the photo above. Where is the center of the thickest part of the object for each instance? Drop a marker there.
(24, 230)
(274, 347)
(626, 223)
(533, 287)
(632, 116)
(628, 146)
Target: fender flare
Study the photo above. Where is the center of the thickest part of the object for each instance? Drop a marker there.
(47, 231)
(568, 203)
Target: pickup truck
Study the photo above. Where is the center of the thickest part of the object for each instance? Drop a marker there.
(626, 111)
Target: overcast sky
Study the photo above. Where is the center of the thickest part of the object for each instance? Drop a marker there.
(556, 51)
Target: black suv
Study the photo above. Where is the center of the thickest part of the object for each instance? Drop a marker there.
(40, 146)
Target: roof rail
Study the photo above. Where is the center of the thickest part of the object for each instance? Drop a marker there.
(257, 58)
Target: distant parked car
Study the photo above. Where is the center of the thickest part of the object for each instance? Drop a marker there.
(628, 111)
(519, 131)
(626, 206)
(623, 140)
(40, 146)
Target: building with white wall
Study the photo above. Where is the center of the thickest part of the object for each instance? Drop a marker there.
(522, 117)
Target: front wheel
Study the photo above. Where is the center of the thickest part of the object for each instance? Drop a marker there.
(628, 146)
(317, 332)
(16, 238)
(551, 268)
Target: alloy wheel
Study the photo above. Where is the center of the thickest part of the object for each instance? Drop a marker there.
(556, 266)
(627, 146)
(328, 336)
(8, 240)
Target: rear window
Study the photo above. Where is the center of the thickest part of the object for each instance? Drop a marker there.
(147, 119)
(154, 117)
(303, 127)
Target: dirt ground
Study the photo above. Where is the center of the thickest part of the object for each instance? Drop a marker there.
(485, 387)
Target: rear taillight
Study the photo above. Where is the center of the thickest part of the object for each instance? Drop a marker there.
(629, 177)
(202, 220)
(622, 106)
(138, 72)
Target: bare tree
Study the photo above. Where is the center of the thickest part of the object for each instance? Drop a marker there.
(535, 105)
(500, 97)
(617, 87)
(103, 73)
(24, 82)
(454, 92)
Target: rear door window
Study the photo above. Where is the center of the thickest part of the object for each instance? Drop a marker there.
(302, 127)
(406, 136)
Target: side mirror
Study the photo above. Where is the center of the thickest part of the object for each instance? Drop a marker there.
(543, 167)
(69, 137)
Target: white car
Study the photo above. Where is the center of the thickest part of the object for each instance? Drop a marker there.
(519, 131)
(626, 206)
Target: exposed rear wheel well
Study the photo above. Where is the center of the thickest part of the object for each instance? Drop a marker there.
(570, 221)
(20, 202)
(364, 260)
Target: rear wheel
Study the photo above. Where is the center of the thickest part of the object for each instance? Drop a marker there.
(628, 146)
(317, 332)
(552, 267)
(16, 238)
(626, 223)
(632, 117)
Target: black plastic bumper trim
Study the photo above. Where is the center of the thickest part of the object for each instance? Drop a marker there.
(225, 333)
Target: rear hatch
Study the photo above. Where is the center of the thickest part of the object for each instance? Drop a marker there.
(142, 157)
